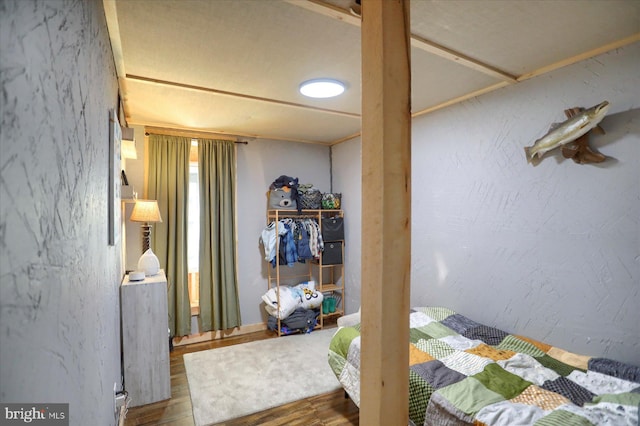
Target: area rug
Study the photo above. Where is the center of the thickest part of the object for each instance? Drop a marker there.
(235, 381)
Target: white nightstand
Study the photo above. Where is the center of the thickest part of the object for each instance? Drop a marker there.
(145, 339)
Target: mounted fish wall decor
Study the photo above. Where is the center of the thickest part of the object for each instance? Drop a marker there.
(574, 130)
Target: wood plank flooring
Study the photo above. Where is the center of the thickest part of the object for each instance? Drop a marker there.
(331, 409)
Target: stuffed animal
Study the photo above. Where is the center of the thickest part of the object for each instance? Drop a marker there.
(281, 198)
(287, 181)
(283, 193)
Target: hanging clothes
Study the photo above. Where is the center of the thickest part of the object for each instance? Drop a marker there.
(299, 240)
(316, 244)
(288, 245)
(269, 238)
(302, 241)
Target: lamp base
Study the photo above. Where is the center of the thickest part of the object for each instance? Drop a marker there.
(149, 263)
(146, 237)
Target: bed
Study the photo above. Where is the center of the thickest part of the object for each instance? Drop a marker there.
(464, 372)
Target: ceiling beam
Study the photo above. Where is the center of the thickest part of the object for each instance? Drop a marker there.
(582, 56)
(345, 138)
(437, 107)
(343, 15)
(156, 81)
(466, 61)
(460, 98)
(565, 62)
(113, 27)
(327, 9)
(111, 15)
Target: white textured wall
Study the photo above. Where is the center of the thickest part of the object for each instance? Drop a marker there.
(346, 159)
(59, 278)
(551, 251)
(260, 162)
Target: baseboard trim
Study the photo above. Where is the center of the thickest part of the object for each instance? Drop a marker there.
(219, 334)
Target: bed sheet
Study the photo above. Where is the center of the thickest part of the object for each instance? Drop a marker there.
(464, 372)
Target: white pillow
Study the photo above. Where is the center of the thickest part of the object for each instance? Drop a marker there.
(289, 301)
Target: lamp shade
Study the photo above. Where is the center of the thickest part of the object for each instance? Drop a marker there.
(146, 211)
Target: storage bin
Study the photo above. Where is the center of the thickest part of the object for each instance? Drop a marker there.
(333, 229)
(332, 254)
(331, 200)
(311, 199)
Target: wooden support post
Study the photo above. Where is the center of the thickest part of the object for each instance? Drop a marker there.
(386, 212)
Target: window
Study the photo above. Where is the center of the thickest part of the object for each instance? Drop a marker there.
(193, 233)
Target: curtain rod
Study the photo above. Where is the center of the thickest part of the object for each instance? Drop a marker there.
(239, 142)
(196, 134)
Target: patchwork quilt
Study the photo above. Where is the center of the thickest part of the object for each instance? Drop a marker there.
(464, 372)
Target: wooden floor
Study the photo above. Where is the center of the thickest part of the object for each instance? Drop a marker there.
(327, 409)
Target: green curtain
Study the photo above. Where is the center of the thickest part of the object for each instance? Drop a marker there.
(219, 304)
(169, 184)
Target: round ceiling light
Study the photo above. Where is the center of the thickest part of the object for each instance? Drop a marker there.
(322, 88)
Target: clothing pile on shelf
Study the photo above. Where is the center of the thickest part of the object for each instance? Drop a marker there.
(297, 307)
(300, 240)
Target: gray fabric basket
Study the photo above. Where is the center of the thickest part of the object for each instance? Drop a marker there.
(311, 199)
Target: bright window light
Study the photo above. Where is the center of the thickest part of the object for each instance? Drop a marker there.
(322, 88)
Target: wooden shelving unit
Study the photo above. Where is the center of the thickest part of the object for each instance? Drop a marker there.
(329, 278)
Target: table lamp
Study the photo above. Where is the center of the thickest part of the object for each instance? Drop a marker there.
(147, 212)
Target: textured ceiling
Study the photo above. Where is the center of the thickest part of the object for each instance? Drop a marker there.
(234, 66)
